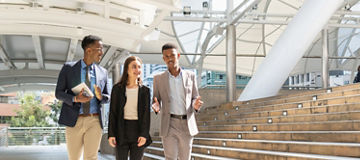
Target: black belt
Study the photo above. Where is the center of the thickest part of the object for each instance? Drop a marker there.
(178, 116)
(88, 115)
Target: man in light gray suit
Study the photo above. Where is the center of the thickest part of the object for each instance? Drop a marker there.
(176, 97)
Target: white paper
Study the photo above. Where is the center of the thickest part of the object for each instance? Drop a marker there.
(77, 89)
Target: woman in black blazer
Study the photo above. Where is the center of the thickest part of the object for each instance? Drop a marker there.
(129, 118)
(357, 77)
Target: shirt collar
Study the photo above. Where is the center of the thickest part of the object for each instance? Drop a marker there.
(83, 65)
(170, 75)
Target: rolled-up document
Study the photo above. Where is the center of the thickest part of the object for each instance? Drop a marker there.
(87, 91)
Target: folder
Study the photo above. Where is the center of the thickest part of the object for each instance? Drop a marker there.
(87, 91)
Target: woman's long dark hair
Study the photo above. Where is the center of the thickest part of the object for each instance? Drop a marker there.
(125, 76)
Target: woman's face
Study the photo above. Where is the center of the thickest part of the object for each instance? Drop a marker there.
(134, 70)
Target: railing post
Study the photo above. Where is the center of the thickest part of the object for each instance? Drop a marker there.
(6, 137)
(56, 135)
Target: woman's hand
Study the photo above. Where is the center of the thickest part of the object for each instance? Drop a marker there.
(112, 141)
(141, 141)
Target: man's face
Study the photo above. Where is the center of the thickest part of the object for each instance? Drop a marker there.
(95, 51)
(171, 57)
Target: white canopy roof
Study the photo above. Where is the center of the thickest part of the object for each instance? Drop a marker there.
(38, 36)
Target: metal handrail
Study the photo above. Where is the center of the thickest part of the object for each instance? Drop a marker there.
(10, 136)
(244, 85)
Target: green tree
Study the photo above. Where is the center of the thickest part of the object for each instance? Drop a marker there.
(57, 138)
(55, 110)
(31, 113)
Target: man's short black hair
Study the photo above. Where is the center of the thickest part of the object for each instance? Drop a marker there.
(88, 40)
(168, 46)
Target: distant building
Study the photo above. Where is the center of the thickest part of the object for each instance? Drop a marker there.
(8, 106)
(149, 70)
(314, 79)
(214, 79)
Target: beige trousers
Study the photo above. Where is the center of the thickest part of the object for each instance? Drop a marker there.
(84, 137)
(178, 143)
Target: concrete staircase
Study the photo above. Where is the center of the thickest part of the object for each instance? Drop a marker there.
(317, 124)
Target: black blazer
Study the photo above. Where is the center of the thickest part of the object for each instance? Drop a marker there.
(69, 77)
(116, 116)
(357, 78)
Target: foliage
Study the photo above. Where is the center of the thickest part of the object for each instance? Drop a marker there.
(55, 110)
(31, 113)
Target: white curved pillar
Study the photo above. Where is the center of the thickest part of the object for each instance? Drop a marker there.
(289, 48)
(230, 63)
(325, 59)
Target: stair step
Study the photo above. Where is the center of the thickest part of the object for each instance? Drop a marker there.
(307, 92)
(347, 125)
(291, 97)
(319, 136)
(312, 117)
(219, 152)
(194, 155)
(326, 148)
(232, 114)
(153, 156)
(262, 154)
(269, 107)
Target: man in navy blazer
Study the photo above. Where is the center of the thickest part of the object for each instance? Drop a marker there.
(80, 113)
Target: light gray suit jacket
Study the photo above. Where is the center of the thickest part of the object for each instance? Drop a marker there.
(161, 92)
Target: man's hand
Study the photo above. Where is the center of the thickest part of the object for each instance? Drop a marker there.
(198, 103)
(156, 105)
(81, 98)
(141, 141)
(98, 92)
(112, 141)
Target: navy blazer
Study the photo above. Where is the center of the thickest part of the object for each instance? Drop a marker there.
(69, 77)
(116, 116)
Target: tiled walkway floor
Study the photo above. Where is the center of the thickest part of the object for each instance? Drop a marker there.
(39, 153)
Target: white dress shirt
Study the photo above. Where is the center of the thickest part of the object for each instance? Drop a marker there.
(177, 94)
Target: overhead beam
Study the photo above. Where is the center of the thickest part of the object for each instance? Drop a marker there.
(72, 50)
(250, 20)
(151, 28)
(167, 4)
(29, 73)
(36, 76)
(243, 9)
(107, 9)
(194, 19)
(108, 55)
(119, 58)
(109, 37)
(38, 52)
(113, 4)
(69, 20)
(27, 87)
(242, 55)
(4, 56)
(246, 21)
(32, 60)
(19, 80)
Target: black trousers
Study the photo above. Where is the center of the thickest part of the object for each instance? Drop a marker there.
(130, 143)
